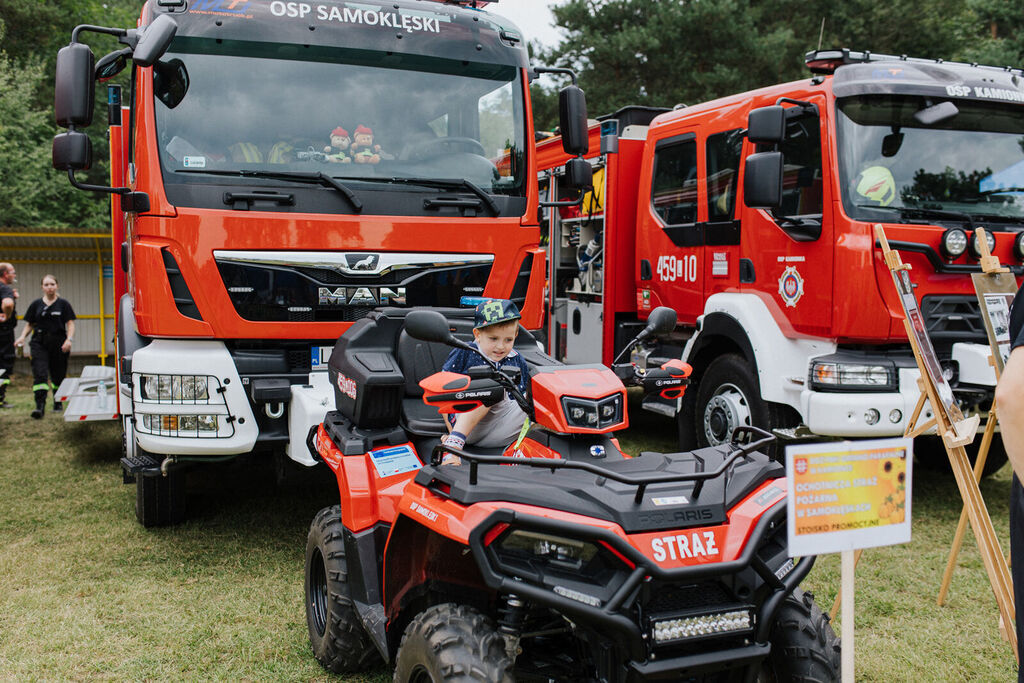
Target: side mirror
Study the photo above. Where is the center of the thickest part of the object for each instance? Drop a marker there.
(113, 63)
(428, 326)
(762, 180)
(572, 119)
(579, 174)
(74, 94)
(661, 321)
(767, 125)
(155, 40)
(72, 151)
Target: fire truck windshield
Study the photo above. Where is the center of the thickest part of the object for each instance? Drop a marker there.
(347, 114)
(905, 152)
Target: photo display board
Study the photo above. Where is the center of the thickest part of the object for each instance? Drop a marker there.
(995, 294)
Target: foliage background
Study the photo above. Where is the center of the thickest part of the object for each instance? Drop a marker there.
(652, 52)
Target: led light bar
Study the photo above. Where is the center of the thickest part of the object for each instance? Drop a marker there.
(700, 626)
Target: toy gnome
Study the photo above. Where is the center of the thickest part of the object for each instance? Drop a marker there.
(363, 150)
(338, 151)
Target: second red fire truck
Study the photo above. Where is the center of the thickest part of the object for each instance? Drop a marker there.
(752, 216)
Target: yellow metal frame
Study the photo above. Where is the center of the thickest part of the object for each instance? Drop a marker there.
(96, 249)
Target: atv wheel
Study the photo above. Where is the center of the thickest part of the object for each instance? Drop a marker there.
(339, 641)
(728, 397)
(804, 646)
(931, 454)
(452, 643)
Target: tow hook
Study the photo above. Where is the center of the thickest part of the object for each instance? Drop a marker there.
(274, 412)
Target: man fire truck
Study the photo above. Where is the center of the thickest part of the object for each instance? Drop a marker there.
(752, 216)
(282, 168)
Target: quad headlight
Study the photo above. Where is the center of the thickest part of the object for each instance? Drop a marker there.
(701, 626)
(587, 413)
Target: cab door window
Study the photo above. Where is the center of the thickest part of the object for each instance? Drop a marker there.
(802, 176)
(723, 160)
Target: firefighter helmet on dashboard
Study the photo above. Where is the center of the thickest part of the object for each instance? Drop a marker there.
(877, 184)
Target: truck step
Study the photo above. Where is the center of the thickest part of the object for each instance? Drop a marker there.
(140, 463)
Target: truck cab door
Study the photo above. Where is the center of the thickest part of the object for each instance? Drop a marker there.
(790, 249)
(670, 236)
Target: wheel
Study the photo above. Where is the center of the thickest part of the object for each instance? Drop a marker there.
(931, 454)
(452, 643)
(804, 646)
(340, 643)
(728, 396)
(430, 148)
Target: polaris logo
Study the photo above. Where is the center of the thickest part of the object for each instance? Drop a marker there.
(672, 516)
(472, 394)
(361, 296)
(682, 546)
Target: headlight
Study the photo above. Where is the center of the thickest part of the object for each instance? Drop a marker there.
(168, 388)
(587, 413)
(954, 242)
(974, 248)
(1018, 246)
(568, 552)
(181, 425)
(838, 376)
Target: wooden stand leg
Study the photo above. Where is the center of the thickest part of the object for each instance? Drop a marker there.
(839, 596)
(961, 527)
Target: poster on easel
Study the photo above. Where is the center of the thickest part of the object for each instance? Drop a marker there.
(995, 294)
(924, 344)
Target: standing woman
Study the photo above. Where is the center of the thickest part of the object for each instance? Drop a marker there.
(52, 322)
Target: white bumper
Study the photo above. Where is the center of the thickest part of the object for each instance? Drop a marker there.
(307, 408)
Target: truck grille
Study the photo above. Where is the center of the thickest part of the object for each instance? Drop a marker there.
(951, 319)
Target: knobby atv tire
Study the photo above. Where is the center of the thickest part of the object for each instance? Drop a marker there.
(804, 646)
(452, 643)
(340, 643)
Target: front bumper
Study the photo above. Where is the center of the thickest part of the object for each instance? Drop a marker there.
(846, 414)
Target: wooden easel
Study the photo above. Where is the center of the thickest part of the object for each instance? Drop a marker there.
(990, 265)
(956, 432)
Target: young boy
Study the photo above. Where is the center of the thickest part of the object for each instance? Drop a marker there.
(495, 327)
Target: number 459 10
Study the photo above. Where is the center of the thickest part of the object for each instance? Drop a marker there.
(671, 268)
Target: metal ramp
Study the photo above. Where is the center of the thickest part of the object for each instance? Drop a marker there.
(91, 396)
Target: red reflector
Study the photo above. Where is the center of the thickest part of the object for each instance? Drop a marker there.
(495, 531)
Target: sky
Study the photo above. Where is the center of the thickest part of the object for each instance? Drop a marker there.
(532, 17)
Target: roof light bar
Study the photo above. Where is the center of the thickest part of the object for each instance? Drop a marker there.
(827, 61)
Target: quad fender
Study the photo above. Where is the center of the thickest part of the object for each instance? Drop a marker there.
(422, 568)
(735, 322)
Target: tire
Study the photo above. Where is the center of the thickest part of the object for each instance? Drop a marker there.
(804, 646)
(452, 643)
(931, 454)
(728, 396)
(339, 642)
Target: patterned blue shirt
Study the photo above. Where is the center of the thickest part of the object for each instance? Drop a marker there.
(460, 360)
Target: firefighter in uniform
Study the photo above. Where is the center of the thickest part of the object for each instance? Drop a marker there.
(8, 320)
(52, 323)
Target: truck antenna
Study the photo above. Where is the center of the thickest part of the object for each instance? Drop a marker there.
(821, 32)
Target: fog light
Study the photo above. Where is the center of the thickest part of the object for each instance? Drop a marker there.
(895, 415)
(871, 416)
(954, 243)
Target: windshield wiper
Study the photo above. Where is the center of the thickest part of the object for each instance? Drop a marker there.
(294, 176)
(909, 211)
(445, 183)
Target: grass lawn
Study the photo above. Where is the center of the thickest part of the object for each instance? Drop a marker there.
(86, 593)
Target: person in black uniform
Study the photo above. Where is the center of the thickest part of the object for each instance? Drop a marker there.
(52, 323)
(1010, 399)
(8, 321)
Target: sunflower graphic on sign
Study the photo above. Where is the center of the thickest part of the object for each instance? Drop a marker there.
(791, 286)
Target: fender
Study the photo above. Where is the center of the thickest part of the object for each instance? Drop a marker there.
(780, 362)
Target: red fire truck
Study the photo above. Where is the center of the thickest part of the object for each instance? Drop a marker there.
(752, 216)
(281, 169)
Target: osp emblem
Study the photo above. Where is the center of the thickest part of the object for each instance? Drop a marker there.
(362, 261)
(791, 286)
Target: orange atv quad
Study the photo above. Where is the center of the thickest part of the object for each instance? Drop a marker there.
(559, 557)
